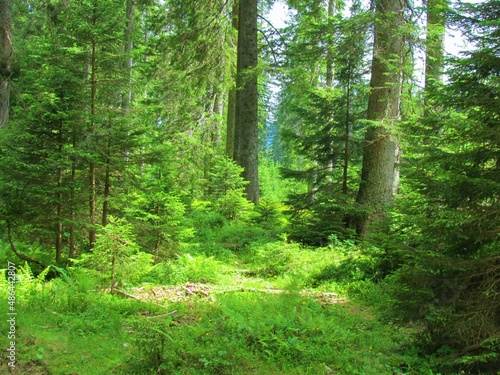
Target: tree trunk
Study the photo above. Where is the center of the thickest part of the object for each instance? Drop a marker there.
(381, 145)
(329, 80)
(73, 205)
(6, 53)
(59, 199)
(329, 51)
(434, 45)
(127, 97)
(246, 143)
(347, 132)
(231, 100)
(107, 189)
(92, 166)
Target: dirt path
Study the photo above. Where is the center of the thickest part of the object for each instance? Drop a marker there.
(162, 294)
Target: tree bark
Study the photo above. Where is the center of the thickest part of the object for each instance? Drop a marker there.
(107, 188)
(231, 100)
(381, 144)
(59, 197)
(129, 33)
(72, 202)
(434, 44)
(246, 125)
(92, 166)
(6, 52)
(347, 132)
(329, 51)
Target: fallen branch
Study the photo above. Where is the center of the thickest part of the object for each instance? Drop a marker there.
(162, 315)
(479, 346)
(14, 250)
(121, 292)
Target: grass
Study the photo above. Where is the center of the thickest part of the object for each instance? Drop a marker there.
(234, 326)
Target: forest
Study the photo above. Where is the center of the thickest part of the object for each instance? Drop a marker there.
(202, 187)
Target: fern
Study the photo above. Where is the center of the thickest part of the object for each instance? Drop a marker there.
(26, 274)
(41, 277)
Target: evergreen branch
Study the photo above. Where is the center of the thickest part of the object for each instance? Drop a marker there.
(270, 46)
(283, 42)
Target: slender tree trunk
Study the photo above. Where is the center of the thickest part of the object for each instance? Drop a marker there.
(434, 53)
(158, 223)
(246, 143)
(59, 206)
(73, 205)
(92, 166)
(381, 145)
(107, 189)
(127, 97)
(214, 134)
(231, 100)
(206, 125)
(329, 51)
(6, 52)
(231, 116)
(347, 131)
(329, 82)
(434, 45)
(113, 262)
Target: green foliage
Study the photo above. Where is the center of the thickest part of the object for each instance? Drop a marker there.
(137, 90)
(275, 258)
(357, 266)
(270, 215)
(446, 227)
(268, 333)
(197, 269)
(320, 119)
(151, 336)
(226, 190)
(116, 255)
(158, 218)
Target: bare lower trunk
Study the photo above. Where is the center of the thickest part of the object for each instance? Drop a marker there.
(381, 144)
(246, 127)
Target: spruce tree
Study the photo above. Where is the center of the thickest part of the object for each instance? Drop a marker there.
(377, 185)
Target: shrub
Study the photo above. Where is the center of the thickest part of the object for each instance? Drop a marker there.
(194, 269)
(116, 255)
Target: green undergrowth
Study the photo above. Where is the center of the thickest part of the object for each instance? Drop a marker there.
(256, 333)
(263, 315)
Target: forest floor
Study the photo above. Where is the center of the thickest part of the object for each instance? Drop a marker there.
(232, 317)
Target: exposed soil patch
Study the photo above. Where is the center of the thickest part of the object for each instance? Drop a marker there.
(162, 294)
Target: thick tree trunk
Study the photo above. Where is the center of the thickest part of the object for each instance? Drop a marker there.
(246, 143)
(381, 144)
(6, 53)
